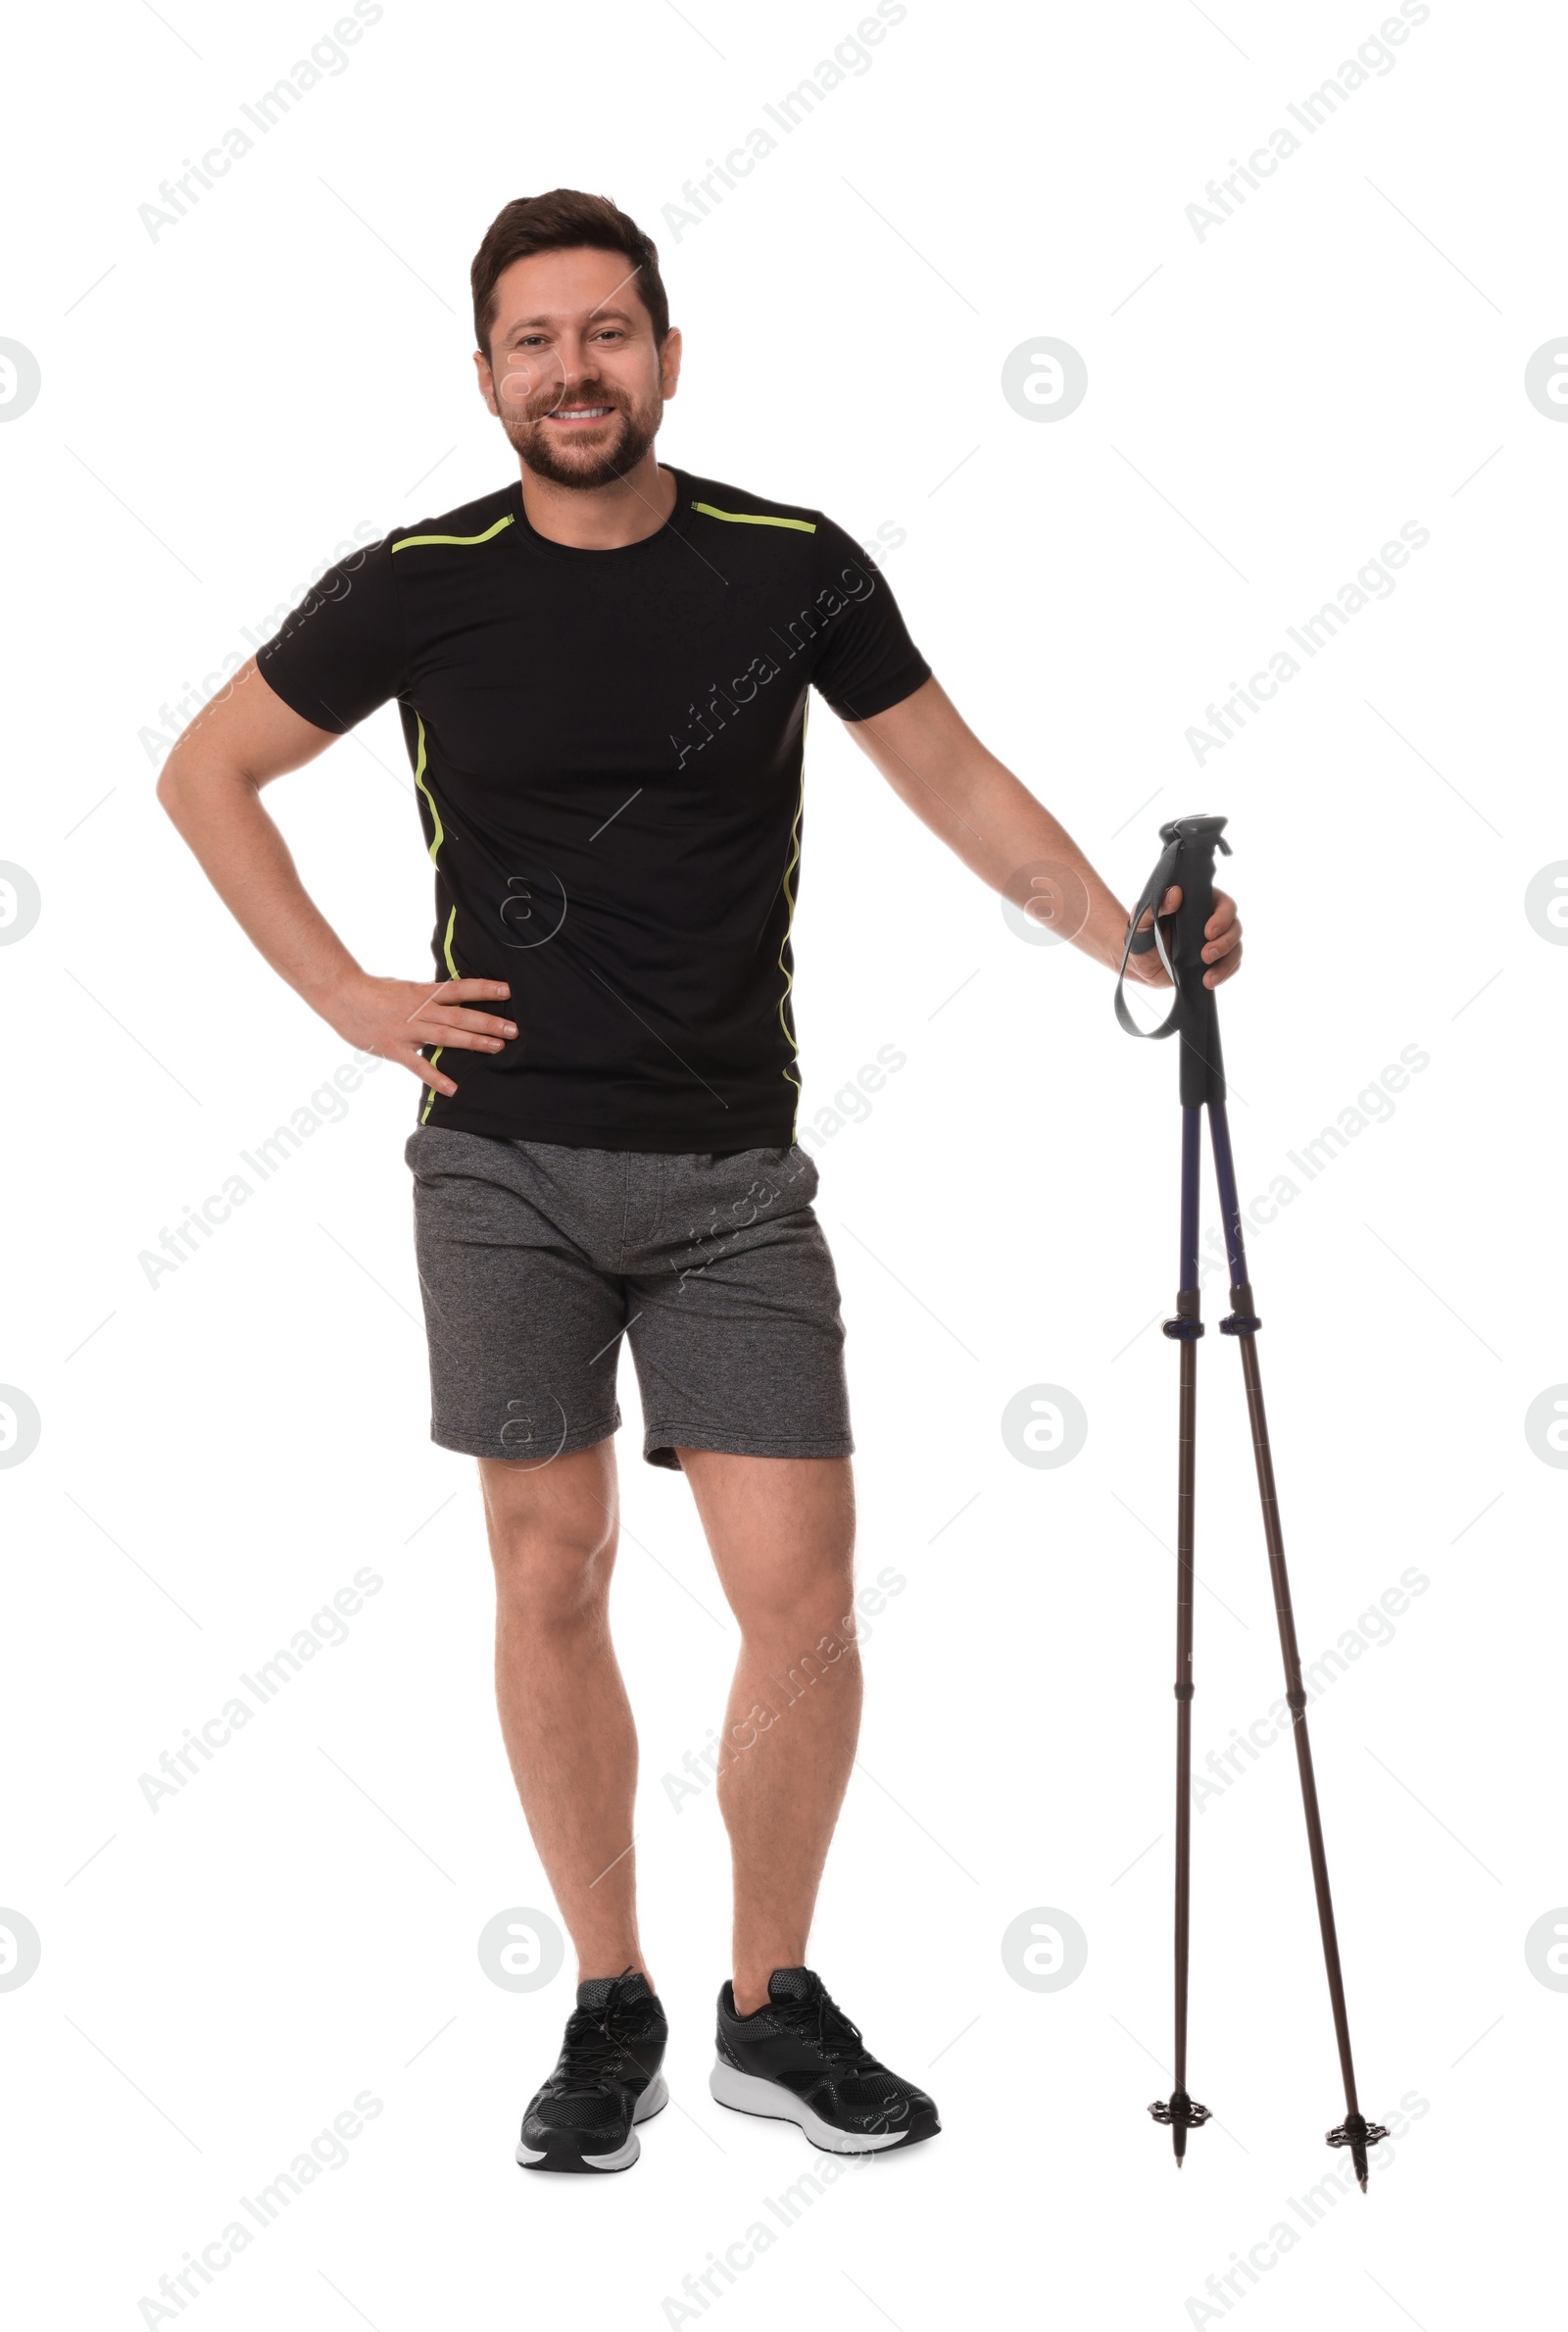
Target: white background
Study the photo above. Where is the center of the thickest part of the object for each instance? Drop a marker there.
(220, 1454)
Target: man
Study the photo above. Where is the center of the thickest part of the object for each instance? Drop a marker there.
(602, 673)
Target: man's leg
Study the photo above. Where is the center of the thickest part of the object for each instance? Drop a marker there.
(782, 1535)
(565, 1716)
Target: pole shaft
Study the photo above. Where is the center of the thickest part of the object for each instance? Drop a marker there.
(1192, 1165)
(1185, 1478)
(1230, 1205)
(1285, 1617)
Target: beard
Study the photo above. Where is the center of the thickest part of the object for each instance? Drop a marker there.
(544, 447)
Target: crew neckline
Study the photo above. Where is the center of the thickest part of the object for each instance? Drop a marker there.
(674, 525)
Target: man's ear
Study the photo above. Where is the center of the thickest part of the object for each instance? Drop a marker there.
(670, 357)
(487, 385)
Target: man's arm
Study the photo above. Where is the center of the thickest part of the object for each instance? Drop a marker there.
(211, 787)
(936, 764)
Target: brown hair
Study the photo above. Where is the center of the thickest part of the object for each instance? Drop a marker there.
(563, 220)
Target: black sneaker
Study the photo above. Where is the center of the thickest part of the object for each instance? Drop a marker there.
(800, 2060)
(606, 2080)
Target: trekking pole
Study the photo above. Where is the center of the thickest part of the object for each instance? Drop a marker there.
(1188, 859)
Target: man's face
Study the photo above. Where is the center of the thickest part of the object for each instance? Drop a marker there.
(572, 372)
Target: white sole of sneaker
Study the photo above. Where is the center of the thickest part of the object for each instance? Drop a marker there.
(749, 2093)
(654, 2098)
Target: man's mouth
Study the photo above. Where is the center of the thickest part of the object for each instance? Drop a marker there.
(579, 416)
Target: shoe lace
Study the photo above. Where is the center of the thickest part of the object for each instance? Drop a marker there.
(598, 2043)
(820, 2020)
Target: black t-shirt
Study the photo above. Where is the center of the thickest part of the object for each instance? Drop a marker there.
(607, 753)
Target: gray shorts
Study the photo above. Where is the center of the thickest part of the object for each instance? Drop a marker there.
(536, 1259)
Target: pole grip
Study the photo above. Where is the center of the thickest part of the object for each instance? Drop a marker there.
(1188, 859)
(1195, 841)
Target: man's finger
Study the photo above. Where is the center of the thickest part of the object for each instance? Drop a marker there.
(451, 991)
(445, 1016)
(463, 1041)
(427, 1074)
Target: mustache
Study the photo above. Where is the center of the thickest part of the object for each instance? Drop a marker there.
(535, 405)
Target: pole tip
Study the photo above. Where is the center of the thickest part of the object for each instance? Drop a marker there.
(1356, 2132)
(1179, 2114)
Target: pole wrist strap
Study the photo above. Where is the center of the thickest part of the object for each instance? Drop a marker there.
(1139, 943)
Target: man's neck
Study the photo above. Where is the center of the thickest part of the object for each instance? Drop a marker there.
(607, 518)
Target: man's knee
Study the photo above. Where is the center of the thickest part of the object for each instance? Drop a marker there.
(552, 1539)
(556, 1573)
(796, 1609)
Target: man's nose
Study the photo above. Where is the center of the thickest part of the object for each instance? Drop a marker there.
(578, 360)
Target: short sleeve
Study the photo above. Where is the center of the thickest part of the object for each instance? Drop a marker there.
(866, 660)
(340, 653)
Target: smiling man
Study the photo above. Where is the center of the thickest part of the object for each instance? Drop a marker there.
(601, 672)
